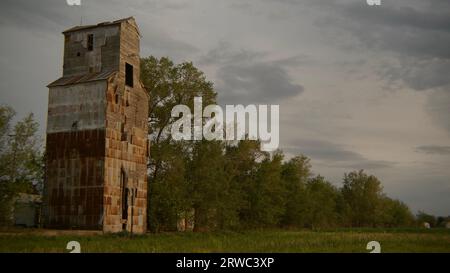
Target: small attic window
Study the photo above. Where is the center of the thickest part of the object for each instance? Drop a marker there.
(90, 42)
(128, 74)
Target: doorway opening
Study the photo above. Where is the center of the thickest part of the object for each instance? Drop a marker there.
(124, 201)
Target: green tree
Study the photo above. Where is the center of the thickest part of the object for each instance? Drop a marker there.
(21, 159)
(169, 85)
(267, 193)
(295, 173)
(423, 217)
(209, 186)
(394, 213)
(362, 194)
(169, 202)
(442, 221)
(321, 203)
(242, 166)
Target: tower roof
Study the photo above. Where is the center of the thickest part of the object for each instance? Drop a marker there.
(107, 23)
(90, 77)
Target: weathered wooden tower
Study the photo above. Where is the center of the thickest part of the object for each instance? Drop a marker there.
(97, 131)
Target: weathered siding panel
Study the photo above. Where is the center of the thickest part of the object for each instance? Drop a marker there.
(104, 56)
(77, 107)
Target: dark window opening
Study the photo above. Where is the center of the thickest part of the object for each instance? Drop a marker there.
(75, 125)
(90, 43)
(124, 201)
(124, 135)
(78, 54)
(128, 74)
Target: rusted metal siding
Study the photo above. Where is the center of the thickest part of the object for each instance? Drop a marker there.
(75, 179)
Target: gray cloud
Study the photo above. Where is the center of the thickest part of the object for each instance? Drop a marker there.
(224, 54)
(414, 33)
(434, 149)
(55, 16)
(46, 15)
(419, 74)
(438, 106)
(246, 76)
(324, 150)
(295, 61)
(365, 165)
(423, 35)
(414, 38)
(256, 83)
(336, 156)
(399, 14)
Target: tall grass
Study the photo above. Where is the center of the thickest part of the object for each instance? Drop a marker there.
(342, 240)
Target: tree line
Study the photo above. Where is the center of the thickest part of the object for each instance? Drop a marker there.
(219, 185)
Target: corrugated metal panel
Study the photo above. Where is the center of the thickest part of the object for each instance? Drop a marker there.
(90, 77)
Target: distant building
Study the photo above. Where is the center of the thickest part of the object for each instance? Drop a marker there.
(97, 131)
(186, 221)
(27, 210)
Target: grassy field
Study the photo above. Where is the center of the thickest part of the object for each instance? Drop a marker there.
(355, 240)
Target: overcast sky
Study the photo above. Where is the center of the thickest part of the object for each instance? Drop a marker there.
(359, 87)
